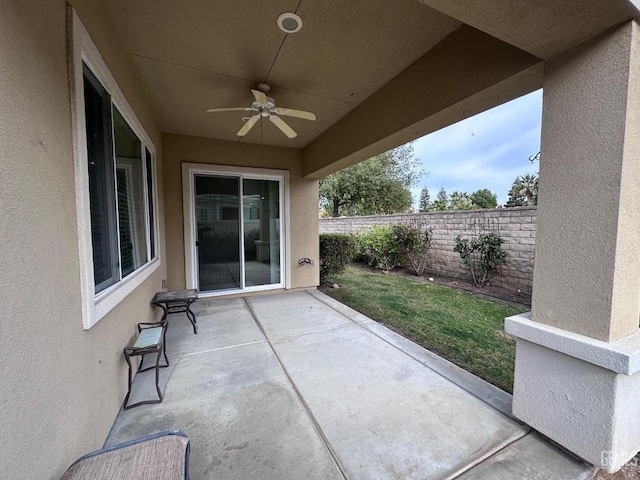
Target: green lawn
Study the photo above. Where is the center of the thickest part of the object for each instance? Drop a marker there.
(457, 325)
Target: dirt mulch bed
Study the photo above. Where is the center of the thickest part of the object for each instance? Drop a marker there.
(630, 471)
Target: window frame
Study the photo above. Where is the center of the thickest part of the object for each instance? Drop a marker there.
(82, 50)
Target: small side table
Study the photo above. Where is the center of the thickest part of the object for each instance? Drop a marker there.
(151, 339)
(177, 301)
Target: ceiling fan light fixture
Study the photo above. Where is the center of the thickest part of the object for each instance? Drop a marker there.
(265, 107)
(289, 22)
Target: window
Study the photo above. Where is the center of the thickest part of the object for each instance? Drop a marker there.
(120, 184)
(131, 184)
(100, 152)
(115, 183)
(152, 237)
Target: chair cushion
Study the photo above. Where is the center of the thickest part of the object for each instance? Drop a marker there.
(148, 337)
(158, 457)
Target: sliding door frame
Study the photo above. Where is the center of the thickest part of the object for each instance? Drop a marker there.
(189, 172)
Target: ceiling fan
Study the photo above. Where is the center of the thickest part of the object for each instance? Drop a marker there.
(264, 107)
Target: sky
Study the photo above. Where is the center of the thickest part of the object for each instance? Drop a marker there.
(488, 150)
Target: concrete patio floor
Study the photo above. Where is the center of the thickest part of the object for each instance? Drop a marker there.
(297, 385)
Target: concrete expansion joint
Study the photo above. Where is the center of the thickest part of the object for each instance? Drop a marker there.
(331, 305)
(487, 456)
(228, 347)
(311, 332)
(301, 399)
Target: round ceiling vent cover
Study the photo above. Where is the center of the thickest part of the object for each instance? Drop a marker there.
(289, 22)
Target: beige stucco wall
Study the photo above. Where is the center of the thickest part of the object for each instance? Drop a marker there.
(586, 274)
(304, 198)
(60, 386)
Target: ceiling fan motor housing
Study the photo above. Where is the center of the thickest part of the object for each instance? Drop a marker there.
(264, 88)
(268, 108)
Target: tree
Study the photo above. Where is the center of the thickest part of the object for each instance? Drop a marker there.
(514, 200)
(442, 202)
(460, 201)
(483, 198)
(524, 191)
(528, 186)
(379, 185)
(425, 200)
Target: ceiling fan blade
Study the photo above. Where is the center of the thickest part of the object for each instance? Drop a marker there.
(261, 98)
(231, 109)
(290, 112)
(281, 124)
(247, 126)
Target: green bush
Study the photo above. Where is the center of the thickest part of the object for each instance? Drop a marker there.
(380, 246)
(481, 255)
(415, 243)
(336, 251)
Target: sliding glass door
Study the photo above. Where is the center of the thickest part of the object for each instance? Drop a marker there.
(261, 220)
(218, 232)
(237, 228)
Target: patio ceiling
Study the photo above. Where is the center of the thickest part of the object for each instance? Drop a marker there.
(377, 73)
(193, 55)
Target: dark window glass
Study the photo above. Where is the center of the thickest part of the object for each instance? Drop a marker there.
(217, 206)
(261, 202)
(152, 227)
(102, 202)
(131, 199)
(122, 213)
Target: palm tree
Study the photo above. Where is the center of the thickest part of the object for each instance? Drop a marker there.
(527, 188)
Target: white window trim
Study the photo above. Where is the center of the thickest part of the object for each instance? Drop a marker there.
(189, 170)
(82, 49)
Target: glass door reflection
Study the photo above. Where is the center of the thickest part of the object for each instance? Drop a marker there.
(217, 203)
(261, 225)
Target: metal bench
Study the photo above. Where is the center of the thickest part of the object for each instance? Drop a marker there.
(151, 339)
(161, 456)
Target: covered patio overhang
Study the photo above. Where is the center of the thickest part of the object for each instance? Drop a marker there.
(376, 73)
(380, 74)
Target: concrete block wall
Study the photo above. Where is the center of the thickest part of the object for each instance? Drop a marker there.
(516, 226)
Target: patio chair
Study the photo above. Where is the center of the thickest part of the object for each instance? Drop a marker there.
(161, 456)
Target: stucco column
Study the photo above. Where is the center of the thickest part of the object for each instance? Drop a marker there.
(588, 227)
(578, 354)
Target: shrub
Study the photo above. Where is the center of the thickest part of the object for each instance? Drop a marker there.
(481, 255)
(336, 251)
(380, 245)
(415, 243)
